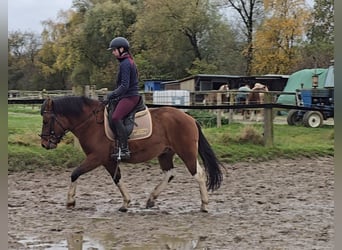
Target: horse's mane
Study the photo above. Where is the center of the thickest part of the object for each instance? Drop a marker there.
(69, 105)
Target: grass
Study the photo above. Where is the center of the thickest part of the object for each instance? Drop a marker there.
(238, 142)
(232, 142)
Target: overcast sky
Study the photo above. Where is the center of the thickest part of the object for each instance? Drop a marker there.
(27, 15)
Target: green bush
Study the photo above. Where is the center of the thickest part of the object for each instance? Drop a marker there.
(207, 119)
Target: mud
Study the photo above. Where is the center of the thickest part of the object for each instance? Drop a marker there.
(280, 204)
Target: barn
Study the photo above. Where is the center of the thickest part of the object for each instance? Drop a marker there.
(205, 82)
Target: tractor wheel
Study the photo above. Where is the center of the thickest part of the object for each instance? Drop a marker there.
(313, 119)
(293, 118)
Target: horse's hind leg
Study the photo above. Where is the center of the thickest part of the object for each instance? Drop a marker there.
(166, 164)
(200, 177)
(115, 173)
(198, 173)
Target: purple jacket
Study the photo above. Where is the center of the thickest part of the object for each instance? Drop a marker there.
(127, 79)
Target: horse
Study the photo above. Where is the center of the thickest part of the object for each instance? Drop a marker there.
(257, 96)
(218, 97)
(173, 132)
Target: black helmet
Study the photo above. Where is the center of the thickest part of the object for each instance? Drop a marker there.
(119, 42)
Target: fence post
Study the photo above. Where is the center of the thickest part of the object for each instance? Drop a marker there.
(231, 111)
(268, 122)
(219, 111)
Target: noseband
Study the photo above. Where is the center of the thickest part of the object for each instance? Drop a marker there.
(52, 137)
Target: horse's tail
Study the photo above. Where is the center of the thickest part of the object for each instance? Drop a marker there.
(211, 163)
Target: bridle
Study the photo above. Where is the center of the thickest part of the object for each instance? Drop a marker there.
(52, 137)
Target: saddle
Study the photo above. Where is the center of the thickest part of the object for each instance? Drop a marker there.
(138, 122)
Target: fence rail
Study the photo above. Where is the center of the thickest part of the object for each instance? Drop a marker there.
(195, 102)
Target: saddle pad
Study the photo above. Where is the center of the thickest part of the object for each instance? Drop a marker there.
(142, 126)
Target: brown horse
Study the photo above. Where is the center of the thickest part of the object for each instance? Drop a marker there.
(173, 132)
(257, 96)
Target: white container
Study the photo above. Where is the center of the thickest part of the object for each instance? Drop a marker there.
(172, 97)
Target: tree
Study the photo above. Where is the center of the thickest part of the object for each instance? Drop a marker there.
(319, 49)
(322, 26)
(175, 38)
(101, 22)
(280, 37)
(251, 14)
(23, 48)
(78, 41)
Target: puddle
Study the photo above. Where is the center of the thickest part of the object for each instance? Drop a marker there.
(73, 242)
(78, 241)
(175, 243)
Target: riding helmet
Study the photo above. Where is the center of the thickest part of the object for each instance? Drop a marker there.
(119, 42)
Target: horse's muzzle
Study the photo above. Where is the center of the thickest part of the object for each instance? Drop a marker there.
(49, 145)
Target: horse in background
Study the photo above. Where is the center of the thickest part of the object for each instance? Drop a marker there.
(220, 96)
(257, 96)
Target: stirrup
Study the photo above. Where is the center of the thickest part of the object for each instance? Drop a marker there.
(122, 154)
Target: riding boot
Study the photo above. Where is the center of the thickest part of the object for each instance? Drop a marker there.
(121, 134)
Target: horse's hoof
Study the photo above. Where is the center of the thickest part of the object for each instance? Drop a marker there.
(204, 210)
(70, 205)
(123, 209)
(149, 204)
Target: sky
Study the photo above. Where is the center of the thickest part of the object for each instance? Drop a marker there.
(27, 15)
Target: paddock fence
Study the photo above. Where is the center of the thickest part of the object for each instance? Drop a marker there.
(225, 107)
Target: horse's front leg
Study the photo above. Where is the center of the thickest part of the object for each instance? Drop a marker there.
(87, 165)
(114, 171)
(166, 164)
(71, 201)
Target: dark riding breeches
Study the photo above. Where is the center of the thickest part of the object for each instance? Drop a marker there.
(124, 107)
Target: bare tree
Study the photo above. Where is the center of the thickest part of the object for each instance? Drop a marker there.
(251, 13)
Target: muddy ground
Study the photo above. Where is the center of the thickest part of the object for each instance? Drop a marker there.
(280, 204)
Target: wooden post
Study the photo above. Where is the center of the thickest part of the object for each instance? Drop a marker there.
(219, 111)
(268, 122)
(231, 111)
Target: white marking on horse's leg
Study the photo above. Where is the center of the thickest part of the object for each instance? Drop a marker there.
(159, 188)
(125, 195)
(71, 195)
(201, 179)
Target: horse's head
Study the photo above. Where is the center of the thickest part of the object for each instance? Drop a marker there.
(70, 113)
(225, 88)
(53, 129)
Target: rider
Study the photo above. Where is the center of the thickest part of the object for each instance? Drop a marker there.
(241, 96)
(126, 92)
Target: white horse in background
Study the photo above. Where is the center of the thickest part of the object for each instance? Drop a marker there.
(220, 96)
